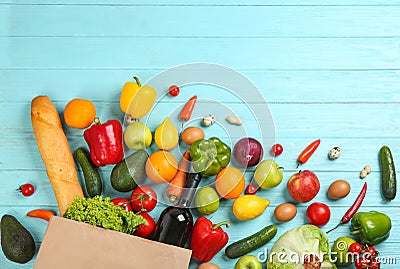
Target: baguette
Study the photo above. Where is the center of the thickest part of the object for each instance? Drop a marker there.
(55, 152)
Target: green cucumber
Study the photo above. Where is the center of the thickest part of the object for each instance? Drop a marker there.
(91, 174)
(251, 242)
(388, 174)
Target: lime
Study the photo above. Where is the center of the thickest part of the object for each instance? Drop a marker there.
(207, 200)
(340, 252)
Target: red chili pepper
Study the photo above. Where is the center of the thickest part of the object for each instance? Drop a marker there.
(207, 239)
(41, 214)
(105, 142)
(307, 152)
(187, 109)
(353, 209)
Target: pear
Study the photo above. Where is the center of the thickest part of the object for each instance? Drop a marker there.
(166, 135)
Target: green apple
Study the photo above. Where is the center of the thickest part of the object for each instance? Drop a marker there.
(137, 136)
(207, 200)
(268, 174)
(248, 262)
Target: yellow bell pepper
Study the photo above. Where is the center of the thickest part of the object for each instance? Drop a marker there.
(128, 92)
(137, 100)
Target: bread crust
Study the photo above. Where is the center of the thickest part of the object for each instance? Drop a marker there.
(55, 152)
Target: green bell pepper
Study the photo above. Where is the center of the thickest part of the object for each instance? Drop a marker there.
(371, 227)
(209, 156)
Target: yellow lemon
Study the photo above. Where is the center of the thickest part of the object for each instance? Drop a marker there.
(166, 135)
(249, 207)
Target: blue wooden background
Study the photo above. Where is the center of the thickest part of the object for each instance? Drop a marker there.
(329, 69)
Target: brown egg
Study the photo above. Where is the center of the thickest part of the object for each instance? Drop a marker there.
(339, 189)
(208, 265)
(285, 212)
(192, 134)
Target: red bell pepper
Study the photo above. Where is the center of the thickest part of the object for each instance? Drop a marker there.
(207, 239)
(105, 142)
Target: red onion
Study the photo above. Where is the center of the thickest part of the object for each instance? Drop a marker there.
(248, 151)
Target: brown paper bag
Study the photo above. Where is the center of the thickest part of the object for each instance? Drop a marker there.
(72, 244)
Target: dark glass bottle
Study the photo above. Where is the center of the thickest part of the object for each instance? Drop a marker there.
(175, 224)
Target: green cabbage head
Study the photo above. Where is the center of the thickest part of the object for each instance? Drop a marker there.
(304, 247)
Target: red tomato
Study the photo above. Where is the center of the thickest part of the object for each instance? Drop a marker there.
(143, 198)
(122, 202)
(361, 263)
(26, 189)
(144, 230)
(375, 264)
(355, 248)
(370, 253)
(251, 189)
(174, 90)
(318, 214)
(277, 149)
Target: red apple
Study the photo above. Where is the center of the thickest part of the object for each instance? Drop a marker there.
(303, 186)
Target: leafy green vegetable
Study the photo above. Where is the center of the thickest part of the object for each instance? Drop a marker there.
(103, 213)
(293, 249)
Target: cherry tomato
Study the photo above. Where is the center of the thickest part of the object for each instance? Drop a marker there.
(251, 189)
(277, 149)
(375, 264)
(370, 252)
(361, 263)
(355, 248)
(143, 198)
(122, 202)
(144, 230)
(318, 214)
(26, 189)
(174, 90)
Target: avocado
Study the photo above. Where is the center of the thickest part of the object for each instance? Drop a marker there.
(16, 242)
(129, 172)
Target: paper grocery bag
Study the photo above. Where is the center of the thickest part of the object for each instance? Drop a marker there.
(72, 244)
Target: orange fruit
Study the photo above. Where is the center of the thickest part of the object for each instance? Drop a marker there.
(79, 113)
(230, 182)
(161, 167)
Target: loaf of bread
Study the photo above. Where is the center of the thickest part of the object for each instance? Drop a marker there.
(55, 152)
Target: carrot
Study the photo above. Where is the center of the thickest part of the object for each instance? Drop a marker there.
(176, 185)
(41, 214)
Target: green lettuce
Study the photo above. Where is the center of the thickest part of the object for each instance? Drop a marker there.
(103, 213)
(296, 245)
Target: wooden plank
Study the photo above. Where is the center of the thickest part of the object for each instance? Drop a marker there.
(207, 2)
(44, 194)
(356, 152)
(287, 120)
(237, 230)
(149, 53)
(276, 86)
(256, 21)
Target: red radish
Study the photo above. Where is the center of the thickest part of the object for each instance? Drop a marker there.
(248, 151)
(303, 186)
